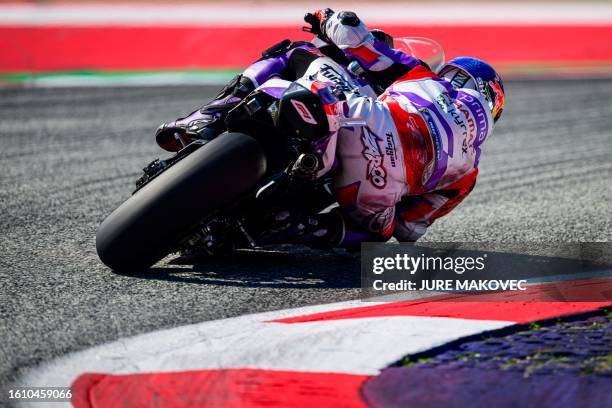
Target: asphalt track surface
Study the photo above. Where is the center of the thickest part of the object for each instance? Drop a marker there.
(69, 156)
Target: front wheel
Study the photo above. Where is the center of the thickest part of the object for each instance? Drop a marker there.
(147, 226)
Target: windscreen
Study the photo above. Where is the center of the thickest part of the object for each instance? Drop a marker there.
(422, 48)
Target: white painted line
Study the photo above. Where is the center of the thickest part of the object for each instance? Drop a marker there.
(356, 346)
(354, 340)
(277, 14)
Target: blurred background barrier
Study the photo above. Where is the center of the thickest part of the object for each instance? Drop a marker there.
(208, 41)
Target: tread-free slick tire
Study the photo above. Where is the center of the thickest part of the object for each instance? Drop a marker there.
(143, 229)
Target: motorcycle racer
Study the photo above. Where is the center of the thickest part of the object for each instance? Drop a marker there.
(415, 155)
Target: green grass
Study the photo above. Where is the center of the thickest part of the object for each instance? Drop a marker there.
(118, 77)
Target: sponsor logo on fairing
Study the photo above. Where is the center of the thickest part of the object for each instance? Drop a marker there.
(375, 173)
(303, 111)
(336, 77)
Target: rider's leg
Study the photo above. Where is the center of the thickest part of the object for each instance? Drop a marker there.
(288, 62)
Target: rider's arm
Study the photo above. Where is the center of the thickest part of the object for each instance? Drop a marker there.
(350, 34)
(414, 214)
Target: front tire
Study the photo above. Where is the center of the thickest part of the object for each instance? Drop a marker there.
(147, 226)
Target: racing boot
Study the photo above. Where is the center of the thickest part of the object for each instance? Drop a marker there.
(207, 122)
(286, 60)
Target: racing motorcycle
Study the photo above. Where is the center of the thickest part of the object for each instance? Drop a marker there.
(223, 193)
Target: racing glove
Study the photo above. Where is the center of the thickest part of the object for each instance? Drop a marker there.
(371, 50)
(317, 21)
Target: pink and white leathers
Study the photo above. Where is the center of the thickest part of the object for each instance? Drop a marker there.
(406, 157)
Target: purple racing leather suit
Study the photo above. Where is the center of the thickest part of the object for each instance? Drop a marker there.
(412, 155)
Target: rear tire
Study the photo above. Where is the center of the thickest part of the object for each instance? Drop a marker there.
(150, 223)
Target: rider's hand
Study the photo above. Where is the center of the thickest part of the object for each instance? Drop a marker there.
(317, 21)
(343, 28)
